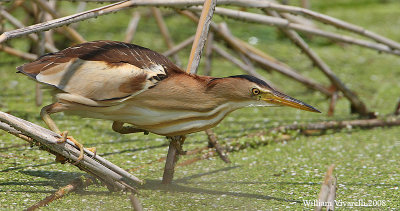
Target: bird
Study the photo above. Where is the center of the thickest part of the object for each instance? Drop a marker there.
(140, 90)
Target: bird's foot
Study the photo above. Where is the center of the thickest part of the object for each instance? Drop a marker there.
(64, 137)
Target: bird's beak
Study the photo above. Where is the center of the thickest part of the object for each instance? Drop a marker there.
(281, 99)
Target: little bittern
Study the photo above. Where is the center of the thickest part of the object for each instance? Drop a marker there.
(130, 84)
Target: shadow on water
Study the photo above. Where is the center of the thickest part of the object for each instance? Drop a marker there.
(178, 186)
(135, 150)
(54, 179)
(23, 167)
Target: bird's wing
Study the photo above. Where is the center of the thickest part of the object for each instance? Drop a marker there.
(101, 70)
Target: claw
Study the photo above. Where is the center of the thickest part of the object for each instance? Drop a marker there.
(92, 149)
(64, 137)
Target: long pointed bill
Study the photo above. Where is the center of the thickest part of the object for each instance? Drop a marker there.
(278, 98)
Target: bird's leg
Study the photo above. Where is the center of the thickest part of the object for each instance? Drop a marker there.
(45, 114)
(120, 128)
(175, 149)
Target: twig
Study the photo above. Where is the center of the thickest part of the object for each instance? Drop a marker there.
(328, 191)
(131, 29)
(165, 33)
(80, 8)
(243, 50)
(179, 46)
(213, 142)
(397, 110)
(18, 24)
(201, 35)
(136, 205)
(283, 23)
(66, 20)
(350, 95)
(315, 15)
(358, 123)
(208, 54)
(269, 62)
(48, 140)
(78, 183)
(332, 196)
(49, 34)
(180, 3)
(305, 4)
(74, 35)
(335, 22)
(40, 52)
(208, 154)
(332, 104)
(15, 52)
(245, 67)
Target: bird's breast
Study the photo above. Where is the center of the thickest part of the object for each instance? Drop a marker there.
(171, 121)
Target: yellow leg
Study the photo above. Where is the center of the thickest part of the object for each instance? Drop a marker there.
(45, 114)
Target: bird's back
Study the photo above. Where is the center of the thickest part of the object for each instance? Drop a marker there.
(101, 70)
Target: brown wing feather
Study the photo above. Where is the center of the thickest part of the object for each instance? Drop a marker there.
(101, 70)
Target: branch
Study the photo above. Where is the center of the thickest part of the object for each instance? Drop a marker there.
(208, 54)
(350, 95)
(283, 23)
(246, 3)
(212, 140)
(327, 194)
(165, 33)
(66, 20)
(15, 52)
(136, 205)
(18, 24)
(80, 182)
(131, 29)
(70, 31)
(358, 123)
(179, 46)
(269, 62)
(246, 68)
(95, 165)
(201, 35)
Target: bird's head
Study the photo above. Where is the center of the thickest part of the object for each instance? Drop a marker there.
(252, 91)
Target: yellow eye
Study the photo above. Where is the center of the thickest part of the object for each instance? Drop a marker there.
(255, 91)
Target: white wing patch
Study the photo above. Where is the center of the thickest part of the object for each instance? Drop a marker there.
(100, 80)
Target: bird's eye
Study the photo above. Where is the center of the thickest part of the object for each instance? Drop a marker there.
(255, 91)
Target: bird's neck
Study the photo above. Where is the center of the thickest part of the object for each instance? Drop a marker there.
(223, 91)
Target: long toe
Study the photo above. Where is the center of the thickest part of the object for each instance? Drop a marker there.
(80, 147)
(63, 138)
